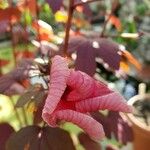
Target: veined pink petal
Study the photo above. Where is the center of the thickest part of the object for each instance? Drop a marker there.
(49, 119)
(85, 87)
(58, 78)
(101, 89)
(113, 101)
(82, 84)
(87, 123)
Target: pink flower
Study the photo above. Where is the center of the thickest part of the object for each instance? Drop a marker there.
(73, 94)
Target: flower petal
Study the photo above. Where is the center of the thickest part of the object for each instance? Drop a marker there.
(58, 78)
(85, 87)
(113, 101)
(82, 84)
(87, 123)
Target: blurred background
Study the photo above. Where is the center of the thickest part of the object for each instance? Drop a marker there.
(108, 39)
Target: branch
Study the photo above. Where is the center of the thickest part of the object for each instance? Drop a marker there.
(68, 26)
(85, 2)
(105, 24)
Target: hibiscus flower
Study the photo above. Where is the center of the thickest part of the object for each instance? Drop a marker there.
(73, 94)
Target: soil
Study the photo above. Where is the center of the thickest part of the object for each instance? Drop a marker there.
(142, 111)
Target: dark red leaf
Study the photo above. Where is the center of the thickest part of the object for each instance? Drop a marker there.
(22, 70)
(87, 143)
(15, 88)
(12, 81)
(108, 51)
(88, 48)
(4, 26)
(56, 139)
(55, 5)
(120, 128)
(5, 82)
(34, 138)
(23, 138)
(5, 131)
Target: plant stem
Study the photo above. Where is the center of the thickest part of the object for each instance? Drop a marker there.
(105, 24)
(16, 112)
(68, 26)
(38, 29)
(26, 32)
(86, 2)
(10, 2)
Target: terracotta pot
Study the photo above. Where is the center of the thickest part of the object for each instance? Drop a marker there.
(140, 130)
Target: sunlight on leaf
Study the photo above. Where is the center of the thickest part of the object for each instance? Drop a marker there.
(5, 107)
(61, 16)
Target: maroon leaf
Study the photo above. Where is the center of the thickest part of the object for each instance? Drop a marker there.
(86, 64)
(22, 70)
(34, 138)
(55, 5)
(108, 51)
(87, 143)
(5, 83)
(11, 82)
(23, 138)
(120, 129)
(3, 26)
(57, 139)
(104, 121)
(15, 88)
(5, 131)
(91, 47)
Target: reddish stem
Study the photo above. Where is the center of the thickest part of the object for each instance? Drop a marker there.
(26, 33)
(10, 2)
(105, 25)
(13, 43)
(68, 26)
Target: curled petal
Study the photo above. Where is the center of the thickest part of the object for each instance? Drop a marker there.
(58, 77)
(85, 87)
(101, 89)
(49, 119)
(87, 123)
(113, 101)
(82, 84)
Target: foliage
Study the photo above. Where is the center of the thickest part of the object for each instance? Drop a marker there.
(94, 39)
